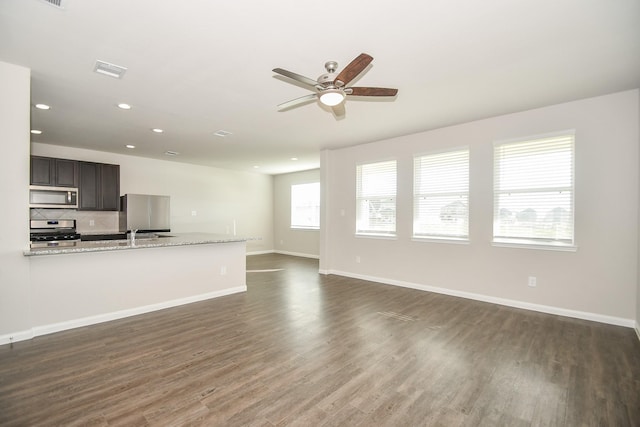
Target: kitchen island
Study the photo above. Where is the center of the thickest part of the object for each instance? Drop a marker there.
(156, 241)
(96, 281)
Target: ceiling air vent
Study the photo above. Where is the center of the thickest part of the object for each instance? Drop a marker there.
(108, 69)
(56, 3)
(222, 133)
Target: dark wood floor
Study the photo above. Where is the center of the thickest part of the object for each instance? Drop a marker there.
(304, 349)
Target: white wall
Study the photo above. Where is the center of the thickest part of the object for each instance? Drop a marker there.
(115, 284)
(220, 198)
(287, 240)
(638, 281)
(599, 280)
(15, 311)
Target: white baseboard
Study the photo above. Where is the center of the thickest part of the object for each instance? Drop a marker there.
(270, 251)
(106, 317)
(618, 321)
(15, 337)
(91, 320)
(300, 254)
(273, 251)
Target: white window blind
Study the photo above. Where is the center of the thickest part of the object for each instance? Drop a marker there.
(441, 195)
(305, 205)
(376, 198)
(534, 191)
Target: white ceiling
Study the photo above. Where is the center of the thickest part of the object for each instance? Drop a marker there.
(199, 66)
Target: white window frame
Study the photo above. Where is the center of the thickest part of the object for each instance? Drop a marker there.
(373, 188)
(543, 226)
(310, 204)
(441, 177)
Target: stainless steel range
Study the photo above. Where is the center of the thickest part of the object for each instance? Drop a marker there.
(53, 232)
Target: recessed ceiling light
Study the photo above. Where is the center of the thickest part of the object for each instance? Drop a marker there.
(171, 153)
(256, 167)
(130, 146)
(294, 158)
(42, 106)
(222, 133)
(108, 69)
(36, 131)
(124, 106)
(156, 130)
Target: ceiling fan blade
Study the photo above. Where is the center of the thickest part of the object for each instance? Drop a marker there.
(371, 91)
(354, 68)
(297, 101)
(294, 76)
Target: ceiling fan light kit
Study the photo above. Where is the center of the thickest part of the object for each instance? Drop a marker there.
(331, 89)
(332, 97)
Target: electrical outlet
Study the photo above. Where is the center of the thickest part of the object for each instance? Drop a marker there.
(533, 282)
(358, 259)
(194, 213)
(91, 223)
(223, 270)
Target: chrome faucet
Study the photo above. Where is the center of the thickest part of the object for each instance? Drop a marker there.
(133, 236)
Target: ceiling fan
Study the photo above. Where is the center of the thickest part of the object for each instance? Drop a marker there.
(331, 88)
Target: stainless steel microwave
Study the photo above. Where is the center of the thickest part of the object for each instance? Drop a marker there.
(53, 197)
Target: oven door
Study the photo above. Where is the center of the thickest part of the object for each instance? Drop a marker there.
(54, 244)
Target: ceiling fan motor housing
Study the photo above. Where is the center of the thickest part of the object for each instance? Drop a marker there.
(326, 79)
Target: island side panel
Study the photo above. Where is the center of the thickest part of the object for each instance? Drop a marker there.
(72, 290)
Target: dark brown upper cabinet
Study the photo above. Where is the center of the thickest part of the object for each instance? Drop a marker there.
(98, 184)
(54, 172)
(99, 187)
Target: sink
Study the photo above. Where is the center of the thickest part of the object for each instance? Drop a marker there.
(95, 237)
(147, 236)
(121, 236)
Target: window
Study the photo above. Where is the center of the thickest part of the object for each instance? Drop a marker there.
(376, 198)
(305, 206)
(534, 191)
(441, 195)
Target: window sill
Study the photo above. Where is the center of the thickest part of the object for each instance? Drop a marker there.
(377, 236)
(528, 244)
(453, 240)
(305, 228)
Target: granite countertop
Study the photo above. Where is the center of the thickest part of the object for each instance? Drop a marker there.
(159, 241)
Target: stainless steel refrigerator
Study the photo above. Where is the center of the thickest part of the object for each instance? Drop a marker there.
(145, 213)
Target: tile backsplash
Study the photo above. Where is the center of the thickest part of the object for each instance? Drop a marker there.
(87, 222)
